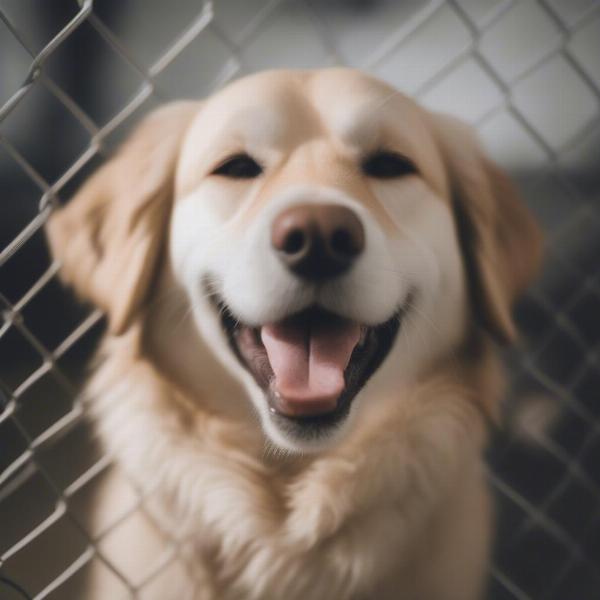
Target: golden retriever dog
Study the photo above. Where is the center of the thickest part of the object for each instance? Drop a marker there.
(305, 277)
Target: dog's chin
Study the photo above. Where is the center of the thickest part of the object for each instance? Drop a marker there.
(309, 425)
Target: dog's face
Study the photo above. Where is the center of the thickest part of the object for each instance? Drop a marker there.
(314, 240)
(332, 239)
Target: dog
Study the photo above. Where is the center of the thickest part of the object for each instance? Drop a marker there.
(305, 278)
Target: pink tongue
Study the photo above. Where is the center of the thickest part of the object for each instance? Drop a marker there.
(309, 359)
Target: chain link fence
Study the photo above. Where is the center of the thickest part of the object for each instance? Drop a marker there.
(526, 74)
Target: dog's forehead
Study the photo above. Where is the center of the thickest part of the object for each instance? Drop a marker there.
(345, 98)
(280, 111)
(269, 107)
(342, 102)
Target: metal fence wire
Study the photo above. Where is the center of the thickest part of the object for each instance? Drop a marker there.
(526, 74)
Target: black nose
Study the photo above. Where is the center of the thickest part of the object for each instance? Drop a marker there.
(318, 241)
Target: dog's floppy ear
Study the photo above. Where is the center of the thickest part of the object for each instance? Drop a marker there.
(500, 241)
(109, 236)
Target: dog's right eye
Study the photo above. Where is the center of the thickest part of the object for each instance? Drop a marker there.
(240, 166)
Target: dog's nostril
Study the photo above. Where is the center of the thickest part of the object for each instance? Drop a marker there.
(343, 243)
(294, 242)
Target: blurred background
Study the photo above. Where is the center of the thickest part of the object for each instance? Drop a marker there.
(75, 75)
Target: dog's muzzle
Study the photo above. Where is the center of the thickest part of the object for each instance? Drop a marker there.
(311, 363)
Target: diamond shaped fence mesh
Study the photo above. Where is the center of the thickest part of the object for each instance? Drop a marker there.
(525, 74)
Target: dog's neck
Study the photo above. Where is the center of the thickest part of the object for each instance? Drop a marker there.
(214, 473)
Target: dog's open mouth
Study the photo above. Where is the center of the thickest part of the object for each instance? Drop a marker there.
(310, 365)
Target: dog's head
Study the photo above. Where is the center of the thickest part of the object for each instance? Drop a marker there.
(331, 238)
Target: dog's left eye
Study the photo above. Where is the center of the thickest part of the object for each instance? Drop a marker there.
(240, 166)
(387, 165)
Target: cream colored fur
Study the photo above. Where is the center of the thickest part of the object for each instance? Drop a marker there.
(392, 506)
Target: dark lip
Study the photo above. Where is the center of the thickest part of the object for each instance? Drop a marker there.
(364, 362)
